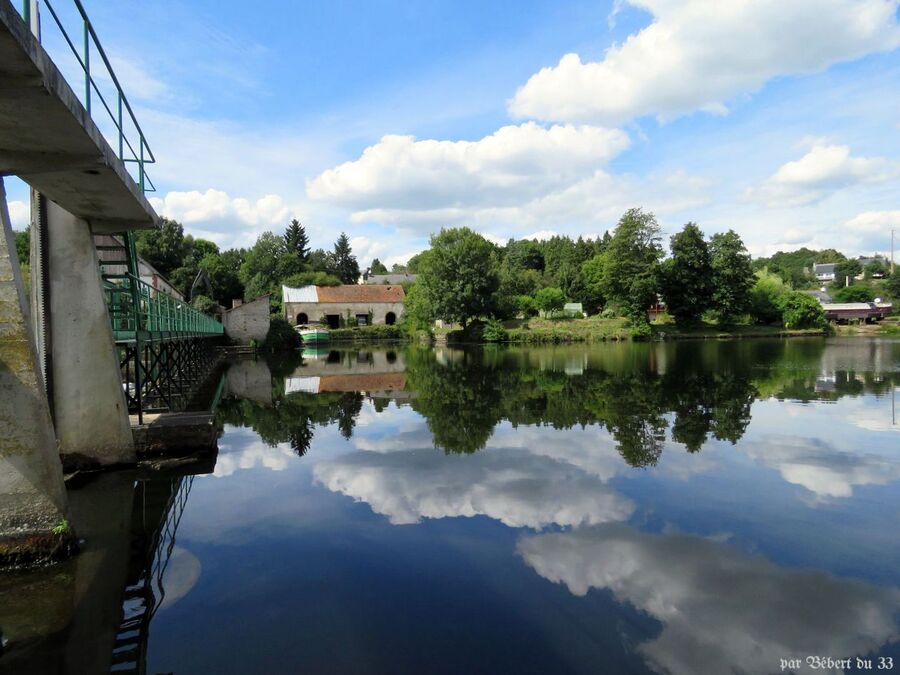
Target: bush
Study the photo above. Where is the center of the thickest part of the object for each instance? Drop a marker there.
(855, 293)
(525, 306)
(281, 336)
(609, 313)
(641, 331)
(799, 310)
(377, 332)
(550, 300)
(766, 296)
(494, 331)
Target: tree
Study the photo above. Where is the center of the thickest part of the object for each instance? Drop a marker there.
(893, 284)
(876, 269)
(262, 259)
(163, 246)
(205, 304)
(593, 298)
(631, 264)
(732, 278)
(550, 300)
(296, 242)
(765, 297)
(846, 270)
(855, 293)
(799, 310)
(378, 267)
(23, 245)
(345, 264)
(687, 276)
(458, 275)
(224, 277)
(302, 279)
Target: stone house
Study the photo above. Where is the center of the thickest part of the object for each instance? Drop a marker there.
(247, 321)
(348, 305)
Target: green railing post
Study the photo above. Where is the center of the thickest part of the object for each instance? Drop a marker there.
(121, 130)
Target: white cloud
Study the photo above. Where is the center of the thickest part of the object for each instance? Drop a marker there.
(251, 454)
(823, 469)
(698, 54)
(218, 209)
(514, 164)
(19, 214)
(514, 487)
(821, 172)
(520, 177)
(366, 249)
(715, 603)
(541, 235)
(874, 222)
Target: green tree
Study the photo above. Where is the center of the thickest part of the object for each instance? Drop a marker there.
(525, 306)
(631, 265)
(302, 279)
(224, 277)
(893, 284)
(205, 304)
(687, 276)
(458, 275)
(378, 267)
(592, 270)
(847, 270)
(417, 312)
(876, 269)
(550, 300)
(23, 245)
(345, 264)
(855, 293)
(296, 242)
(732, 277)
(260, 266)
(765, 297)
(799, 310)
(163, 246)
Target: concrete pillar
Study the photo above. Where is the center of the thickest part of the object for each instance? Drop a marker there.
(89, 409)
(32, 493)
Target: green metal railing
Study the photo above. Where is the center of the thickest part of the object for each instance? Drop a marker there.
(140, 312)
(90, 42)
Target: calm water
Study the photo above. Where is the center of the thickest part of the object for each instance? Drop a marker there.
(683, 508)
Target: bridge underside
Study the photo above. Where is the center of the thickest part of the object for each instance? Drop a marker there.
(49, 140)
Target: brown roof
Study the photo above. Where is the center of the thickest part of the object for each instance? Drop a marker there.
(363, 382)
(357, 293)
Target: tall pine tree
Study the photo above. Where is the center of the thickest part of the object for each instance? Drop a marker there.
(295, 240)
(344, 261)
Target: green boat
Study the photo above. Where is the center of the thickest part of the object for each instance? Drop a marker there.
(311, 335)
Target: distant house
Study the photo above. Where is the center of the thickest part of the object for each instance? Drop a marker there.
(574, 309)
(368, 278)
(824, 271)
(865, 311)
(348, 305)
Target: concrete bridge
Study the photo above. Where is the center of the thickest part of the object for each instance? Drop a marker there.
(88, 348)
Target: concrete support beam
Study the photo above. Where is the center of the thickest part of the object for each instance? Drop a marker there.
(89, 409)
(32, 493)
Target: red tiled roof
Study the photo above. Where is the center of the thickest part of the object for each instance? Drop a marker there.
(358, 293)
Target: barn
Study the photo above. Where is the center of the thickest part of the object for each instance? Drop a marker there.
(348, 305)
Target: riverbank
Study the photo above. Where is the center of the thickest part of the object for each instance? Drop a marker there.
(596, 329)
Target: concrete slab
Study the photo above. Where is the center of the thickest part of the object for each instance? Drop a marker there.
(48, 139)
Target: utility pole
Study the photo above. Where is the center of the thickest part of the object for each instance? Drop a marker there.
(892, 251)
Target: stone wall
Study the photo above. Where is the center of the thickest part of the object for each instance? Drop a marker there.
(317, 311)
(249, 321)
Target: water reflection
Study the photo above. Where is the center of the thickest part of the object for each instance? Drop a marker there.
(721, 610)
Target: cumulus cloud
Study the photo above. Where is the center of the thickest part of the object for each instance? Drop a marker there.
(820, 467)
(215, 207)
(822, 171)
(716, 604)
(19, 214)
(698, 54)
(523, 176)
(249, 455)
(515, 488)
(870, 222)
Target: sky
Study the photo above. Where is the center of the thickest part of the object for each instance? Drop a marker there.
(389, 120)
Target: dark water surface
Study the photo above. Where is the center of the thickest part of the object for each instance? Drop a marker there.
(683, 508)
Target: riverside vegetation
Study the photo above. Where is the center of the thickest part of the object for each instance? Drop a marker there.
(516, 292)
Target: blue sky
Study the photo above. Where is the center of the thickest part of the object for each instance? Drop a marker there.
(389, 120)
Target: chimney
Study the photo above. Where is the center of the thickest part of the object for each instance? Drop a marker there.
(237, 302)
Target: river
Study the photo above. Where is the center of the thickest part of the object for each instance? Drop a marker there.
(683, 508)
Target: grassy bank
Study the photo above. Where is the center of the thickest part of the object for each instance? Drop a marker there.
(596, 329)
(367, 333)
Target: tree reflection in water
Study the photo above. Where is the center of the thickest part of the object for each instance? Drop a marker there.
(640, 393)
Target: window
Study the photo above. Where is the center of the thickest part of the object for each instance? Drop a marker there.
(362, 319)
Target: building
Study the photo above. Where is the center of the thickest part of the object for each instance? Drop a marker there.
(348, 305)
(248, 321)
(403, 278)
(856, 311)
(824, 271)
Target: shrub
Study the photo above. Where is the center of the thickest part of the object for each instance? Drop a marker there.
(799, 310)
(550, 300)
(494, 331)
(609, 313)
(765, 297)
(855, 293)
(641, 331)
(376, 332)
(281, 336)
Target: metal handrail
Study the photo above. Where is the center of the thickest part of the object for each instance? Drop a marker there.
(156, 314)
(144, 155)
